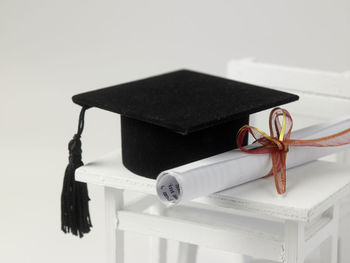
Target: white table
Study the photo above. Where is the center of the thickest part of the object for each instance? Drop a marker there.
(250, 219)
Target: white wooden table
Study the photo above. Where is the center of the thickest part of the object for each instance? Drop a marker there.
(250, 219)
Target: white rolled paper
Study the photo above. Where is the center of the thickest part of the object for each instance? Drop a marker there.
(235, 167)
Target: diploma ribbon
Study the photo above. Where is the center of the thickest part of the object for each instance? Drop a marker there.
(277, 143)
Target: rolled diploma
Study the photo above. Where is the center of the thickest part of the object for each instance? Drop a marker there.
(235, 167)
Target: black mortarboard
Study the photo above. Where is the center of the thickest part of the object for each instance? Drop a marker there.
(166, 121)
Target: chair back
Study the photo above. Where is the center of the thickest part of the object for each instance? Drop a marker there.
(323, 95)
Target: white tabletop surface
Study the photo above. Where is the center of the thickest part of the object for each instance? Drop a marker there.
(311, 188)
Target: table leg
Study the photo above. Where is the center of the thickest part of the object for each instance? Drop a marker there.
(114, 201)
(294, 241)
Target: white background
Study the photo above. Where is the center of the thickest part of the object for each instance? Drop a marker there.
(51, 50)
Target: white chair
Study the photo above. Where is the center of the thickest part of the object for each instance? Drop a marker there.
(249, 219)
(323, 96)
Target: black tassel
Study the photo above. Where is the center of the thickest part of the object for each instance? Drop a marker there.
(75, 215)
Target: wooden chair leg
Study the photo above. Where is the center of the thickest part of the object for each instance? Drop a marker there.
(158, 246)
(114, 201)
(187, 253)
(294, 242)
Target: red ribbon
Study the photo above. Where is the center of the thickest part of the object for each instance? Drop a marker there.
(277, 143)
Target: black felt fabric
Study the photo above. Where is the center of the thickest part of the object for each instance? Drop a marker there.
(180, 117)
(148, 149)
(184, 101)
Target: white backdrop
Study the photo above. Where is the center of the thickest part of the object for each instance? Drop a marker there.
(51, 50)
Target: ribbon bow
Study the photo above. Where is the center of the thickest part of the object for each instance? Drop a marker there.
(278, 142)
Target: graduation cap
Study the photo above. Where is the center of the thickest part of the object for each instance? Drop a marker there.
(166, 121)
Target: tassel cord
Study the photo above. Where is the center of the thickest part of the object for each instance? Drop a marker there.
(75, 216)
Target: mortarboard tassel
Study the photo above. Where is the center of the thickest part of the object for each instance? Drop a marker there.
(75, 216)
